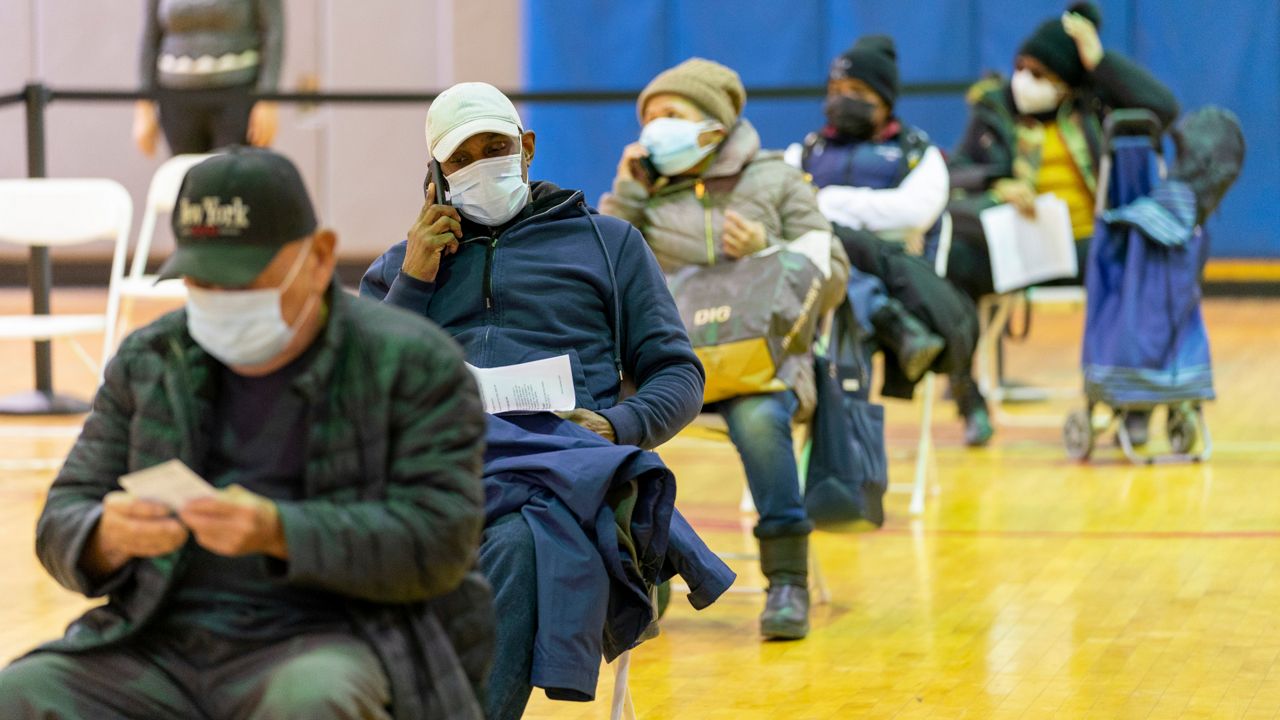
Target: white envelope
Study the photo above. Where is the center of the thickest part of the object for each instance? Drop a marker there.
(171, 483)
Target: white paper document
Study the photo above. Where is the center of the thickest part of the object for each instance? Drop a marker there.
(538, 386)
(815, 245)
(171, 483)
(1025, 251)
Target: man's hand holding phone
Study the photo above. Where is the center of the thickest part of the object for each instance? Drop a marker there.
(436, 231)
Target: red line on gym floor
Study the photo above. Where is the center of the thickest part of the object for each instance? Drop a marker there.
(720, 524)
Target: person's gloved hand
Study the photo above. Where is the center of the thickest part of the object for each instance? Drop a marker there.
(595, 422)
(741, 237)
(1017, 193)
(263, 122)
(1088, 44)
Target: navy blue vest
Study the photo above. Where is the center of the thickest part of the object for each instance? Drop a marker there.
(876, 165)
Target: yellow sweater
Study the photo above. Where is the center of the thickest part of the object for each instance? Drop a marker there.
(1060, 176)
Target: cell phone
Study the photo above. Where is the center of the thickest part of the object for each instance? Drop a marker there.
(647, 167)
(436, 175)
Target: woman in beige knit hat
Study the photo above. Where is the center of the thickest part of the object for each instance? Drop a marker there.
(702, 191)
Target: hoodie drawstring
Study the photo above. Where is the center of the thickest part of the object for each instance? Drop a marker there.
(613, 280)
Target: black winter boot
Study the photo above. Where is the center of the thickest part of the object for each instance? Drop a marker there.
(977, 422)
(785, 562)
(907, 338)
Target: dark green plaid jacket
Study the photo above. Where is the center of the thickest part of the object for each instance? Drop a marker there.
(392, 508)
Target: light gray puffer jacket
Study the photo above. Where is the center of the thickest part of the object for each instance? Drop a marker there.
(757, 184)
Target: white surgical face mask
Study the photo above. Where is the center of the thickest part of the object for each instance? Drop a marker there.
(673, 143)
(490, 191)
(1033, 95)
(244, 327)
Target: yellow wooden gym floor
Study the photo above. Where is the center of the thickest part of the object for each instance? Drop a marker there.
(1032, 587)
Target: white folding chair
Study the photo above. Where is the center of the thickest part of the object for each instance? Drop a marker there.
(44, 212)
(161, 197)
(919, 487)
(924, 447)
(747, 506)
(994, 312)
(621, 707)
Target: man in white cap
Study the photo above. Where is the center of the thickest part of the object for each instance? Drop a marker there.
(516, 272)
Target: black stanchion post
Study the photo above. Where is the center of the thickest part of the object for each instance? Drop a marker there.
(40, 269)
(40, 276)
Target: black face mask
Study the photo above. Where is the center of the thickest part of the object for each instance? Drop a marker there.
(852, 118)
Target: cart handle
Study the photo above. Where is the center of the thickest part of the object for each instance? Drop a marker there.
(1131, 122)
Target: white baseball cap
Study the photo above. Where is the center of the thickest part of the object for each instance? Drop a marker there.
(468, 109)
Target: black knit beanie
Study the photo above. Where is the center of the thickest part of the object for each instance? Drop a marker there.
(1051, 45)
(874, 61)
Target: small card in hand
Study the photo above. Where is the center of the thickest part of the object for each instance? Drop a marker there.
(170, 483)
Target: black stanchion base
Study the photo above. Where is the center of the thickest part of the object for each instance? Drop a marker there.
(35, 402)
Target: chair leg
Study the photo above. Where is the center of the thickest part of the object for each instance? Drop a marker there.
(83, 354)
(817, 582)
(124, 318)
(993, 315)
(924, 451)
(622, 708)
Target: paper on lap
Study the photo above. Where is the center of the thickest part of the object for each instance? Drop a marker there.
(1025, 251)
(171, 483)
(538, 386)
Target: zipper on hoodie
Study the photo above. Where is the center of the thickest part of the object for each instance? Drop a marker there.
(488, 273)
(489, 259)
(700, 191)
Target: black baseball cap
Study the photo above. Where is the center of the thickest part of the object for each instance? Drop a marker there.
(233, 214)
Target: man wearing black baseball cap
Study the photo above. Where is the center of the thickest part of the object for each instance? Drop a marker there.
(327, 571)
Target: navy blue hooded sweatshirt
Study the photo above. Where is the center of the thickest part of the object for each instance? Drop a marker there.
(553, 281)
(556, 280)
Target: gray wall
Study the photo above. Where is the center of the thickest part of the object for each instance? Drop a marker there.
(364, 164)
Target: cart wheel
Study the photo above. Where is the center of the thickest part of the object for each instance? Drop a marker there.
(1183, 430)
(1077, 435)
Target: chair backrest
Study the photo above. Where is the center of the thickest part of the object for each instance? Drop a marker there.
(52, 212)
(161, 197)
(942, 255)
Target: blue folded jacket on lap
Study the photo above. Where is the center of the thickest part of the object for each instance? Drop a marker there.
(574, 488)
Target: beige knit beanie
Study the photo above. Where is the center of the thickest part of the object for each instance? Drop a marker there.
(714, 88)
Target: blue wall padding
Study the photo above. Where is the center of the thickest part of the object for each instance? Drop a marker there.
(1225, 53)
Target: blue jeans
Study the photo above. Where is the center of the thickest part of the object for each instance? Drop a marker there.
(760, 427)
(867, 294)
(507, 560)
